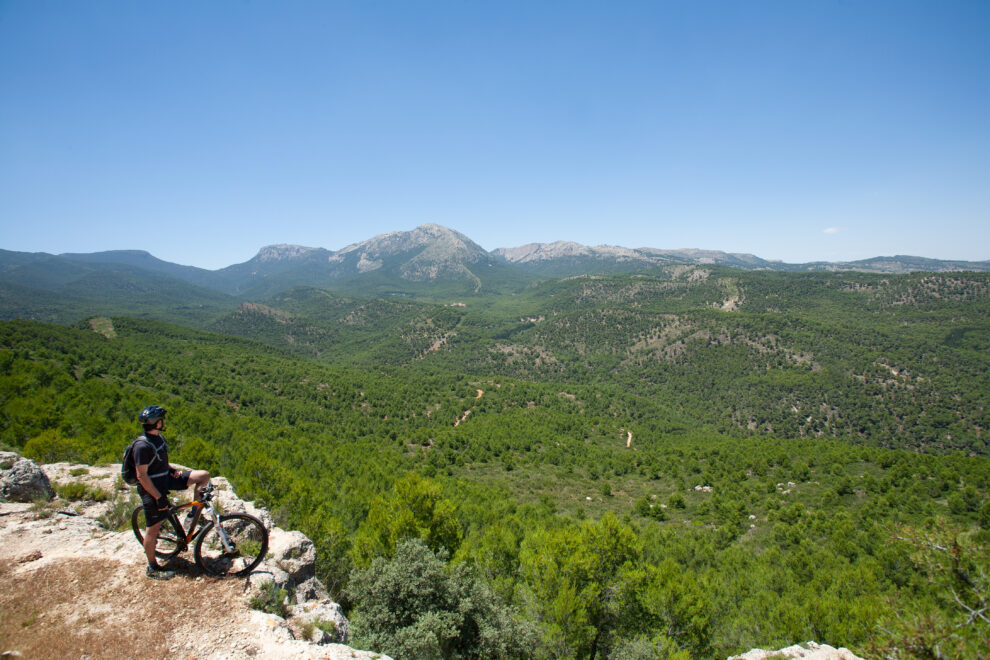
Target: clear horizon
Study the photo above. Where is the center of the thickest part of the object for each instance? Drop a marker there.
(797, 132)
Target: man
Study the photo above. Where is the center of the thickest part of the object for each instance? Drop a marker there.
(155, 479)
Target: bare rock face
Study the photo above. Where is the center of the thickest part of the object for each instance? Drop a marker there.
(259, 579)
(323, 622)
(806, 651)
(21, 480)
(294, 553)
(283, 251)
(311, 589)
(426, 253)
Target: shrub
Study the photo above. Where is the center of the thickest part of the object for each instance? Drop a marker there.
(76, 490)
(73, 490)
(411, 606)
(117, 518)
(648, 509)
(51, 447)
(309, 628)
(329, 627)
(272, 600)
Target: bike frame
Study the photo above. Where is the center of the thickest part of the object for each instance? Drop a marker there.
(199, 508)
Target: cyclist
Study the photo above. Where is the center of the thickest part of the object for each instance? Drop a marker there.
(155, 479)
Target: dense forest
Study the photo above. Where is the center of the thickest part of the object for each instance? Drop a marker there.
(896, 361)
(681, 463)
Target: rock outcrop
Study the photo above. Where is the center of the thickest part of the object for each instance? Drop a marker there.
(806, 651)
(104, 569)
(21, 480)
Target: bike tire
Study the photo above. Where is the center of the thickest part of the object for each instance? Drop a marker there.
(168, 545)
(250, 539)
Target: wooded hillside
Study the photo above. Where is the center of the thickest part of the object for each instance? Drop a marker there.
(602, 518)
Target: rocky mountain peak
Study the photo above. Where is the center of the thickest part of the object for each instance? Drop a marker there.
(535, 252)
(283, 252)
(424, 253)
(441, 241)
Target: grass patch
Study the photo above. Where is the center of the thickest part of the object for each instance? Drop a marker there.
(43, 509)
(76, 490)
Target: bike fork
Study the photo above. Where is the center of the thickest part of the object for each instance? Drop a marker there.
(224, 539)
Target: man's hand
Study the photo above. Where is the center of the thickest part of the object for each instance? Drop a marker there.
(175, 473)
(162, 503)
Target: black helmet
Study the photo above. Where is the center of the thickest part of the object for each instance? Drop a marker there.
(152, 414)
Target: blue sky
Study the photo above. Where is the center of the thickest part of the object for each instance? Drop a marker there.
(202, 131)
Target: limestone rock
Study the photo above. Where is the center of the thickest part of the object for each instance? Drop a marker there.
(311, 589)
(806, 651)
(257, 582)
(21, 480)
(294, 553)
(319, 615)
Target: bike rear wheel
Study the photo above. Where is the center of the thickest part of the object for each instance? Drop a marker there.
(168, 545)
(248, 539)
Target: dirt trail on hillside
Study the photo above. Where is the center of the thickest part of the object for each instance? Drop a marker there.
(464, 417)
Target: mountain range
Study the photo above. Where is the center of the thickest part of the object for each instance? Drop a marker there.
(429, 262)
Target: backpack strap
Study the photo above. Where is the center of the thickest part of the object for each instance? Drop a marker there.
(158, 457)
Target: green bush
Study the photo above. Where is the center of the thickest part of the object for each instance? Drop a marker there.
(76, 490)
(272, 600)
(648, 509)
(329, 627)
(118, 517)
(51, 446)
(309, 628)
(411, 606)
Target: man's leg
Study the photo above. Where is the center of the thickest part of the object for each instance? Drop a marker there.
(199, 478)
(151, 540)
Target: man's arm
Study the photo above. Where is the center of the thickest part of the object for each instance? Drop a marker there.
(145, 481)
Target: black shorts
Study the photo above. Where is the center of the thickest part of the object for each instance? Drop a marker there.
(164, 484)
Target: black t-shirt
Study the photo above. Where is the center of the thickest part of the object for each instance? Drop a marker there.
(153, 452)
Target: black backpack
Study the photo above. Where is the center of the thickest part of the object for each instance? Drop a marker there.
(128, 471)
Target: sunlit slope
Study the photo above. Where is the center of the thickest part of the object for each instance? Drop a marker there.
(895, 360)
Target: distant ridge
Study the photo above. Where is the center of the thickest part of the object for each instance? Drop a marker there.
(430, 260)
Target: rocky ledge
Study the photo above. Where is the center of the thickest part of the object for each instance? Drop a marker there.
(60, 563)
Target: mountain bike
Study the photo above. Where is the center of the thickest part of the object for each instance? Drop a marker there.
(227, 544)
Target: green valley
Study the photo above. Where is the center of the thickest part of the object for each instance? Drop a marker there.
(680, 462)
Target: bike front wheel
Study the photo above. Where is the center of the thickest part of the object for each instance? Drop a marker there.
(247, 544)
(168, 545)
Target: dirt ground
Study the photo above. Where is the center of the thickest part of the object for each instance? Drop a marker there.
(71, 589)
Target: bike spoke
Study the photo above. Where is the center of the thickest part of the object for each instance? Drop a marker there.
(246, 547)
